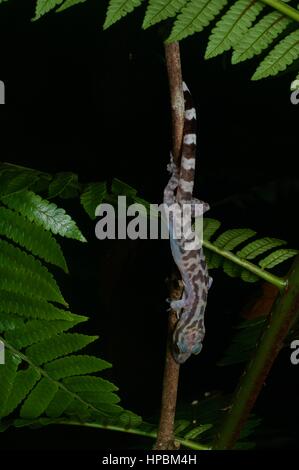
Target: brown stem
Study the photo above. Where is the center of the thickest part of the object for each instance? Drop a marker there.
(165, 437)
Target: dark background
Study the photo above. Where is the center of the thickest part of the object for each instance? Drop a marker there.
(96, 103)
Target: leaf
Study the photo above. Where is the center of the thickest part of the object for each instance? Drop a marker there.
(44, 6)
(57, 346)
(92, 196)
(260, 36)
(117, 9)
(89, 384)
(64, 184)
(210, 226)
(283, 54)
(194, 17)
(75, 365)
(44, 213)
(232, 26)
(158, 10)
(24, 262)
(35, 331)
(68, 4)
(258, 247)
(38, 400)
(22, 305)
(10, 322)
(7, 376)
(31, 237)
(277, 257)
(13, 180)
(23, 384)
(59, 404)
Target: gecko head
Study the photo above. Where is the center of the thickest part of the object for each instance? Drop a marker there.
(187, 341)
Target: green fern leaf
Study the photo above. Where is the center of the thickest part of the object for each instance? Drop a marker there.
(10, 322)
(7, 377)
(247, 276)
(44, 6)
(231, 269)
(44, 214)
(64, 184)
(23, 383)
(38, 400)
(75, 365)
(260, 36)
(13, 180)
(18, 280)
(233, 237)
(92, 196)
(194, 17)
(21, 261)
(228, 241)
(99, 397)
(27, 307)
(210, 226)
(277, 257)
(59, 403)
(89, 383)
(35, 331)
(117, 9)
(69, 3)
(232, 26)
(283, 54)
(258, 247)
(159, 10)
(31, 237)
(58, 346)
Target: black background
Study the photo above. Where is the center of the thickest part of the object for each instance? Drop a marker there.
(96, 103)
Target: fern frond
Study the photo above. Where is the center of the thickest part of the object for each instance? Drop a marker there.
(8, 374)
(89, 383)
(219, 253)
(35, 331)
(24, 381)
(44, 6)
(75, 365)
(14, 179)
(232, 26)
(260, 36)
(44, 213)
(194, 17)
(283, 54)
(277, 257)
(258, 247)
(159, 10)
(69, 3)
(117, 9)
(64, 184)
(27, 307)
(10, 322)
(58, 346)
(20, 261)
(92, 196)
(31, 237)
(39, 398)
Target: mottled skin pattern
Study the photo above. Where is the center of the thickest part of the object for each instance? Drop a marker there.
(190, 329)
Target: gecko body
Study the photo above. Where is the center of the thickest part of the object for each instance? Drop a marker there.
(190, 330)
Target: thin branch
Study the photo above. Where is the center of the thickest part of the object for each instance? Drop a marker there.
(275, 280)
(284, 313)
(165, 437)
(283, 8)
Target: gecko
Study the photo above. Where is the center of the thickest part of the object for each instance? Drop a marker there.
(190, 329)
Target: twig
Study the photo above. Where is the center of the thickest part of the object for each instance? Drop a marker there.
(165, 436)
(284, 314)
